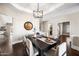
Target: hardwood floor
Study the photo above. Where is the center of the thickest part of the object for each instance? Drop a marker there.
(73, 52)
(70, 51)
(19, 50)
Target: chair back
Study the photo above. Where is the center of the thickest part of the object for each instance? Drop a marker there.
(29, 48)
(62, 49)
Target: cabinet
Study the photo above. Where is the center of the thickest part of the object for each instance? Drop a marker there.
(5, 40)
(5, 35)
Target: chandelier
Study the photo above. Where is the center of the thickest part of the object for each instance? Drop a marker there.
(38, 13)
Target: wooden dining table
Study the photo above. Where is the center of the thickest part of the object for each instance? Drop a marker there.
(41, 45)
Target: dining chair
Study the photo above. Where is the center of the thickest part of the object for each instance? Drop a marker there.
(31, 50)
(60, 50)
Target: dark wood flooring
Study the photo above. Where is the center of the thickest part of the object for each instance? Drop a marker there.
(20, 50)
(70, 51)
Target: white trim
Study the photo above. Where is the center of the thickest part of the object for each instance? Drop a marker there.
(31, 11)
(18, 41)
(21, 8)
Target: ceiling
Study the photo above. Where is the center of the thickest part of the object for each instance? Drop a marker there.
(55, 9)
(29, 7)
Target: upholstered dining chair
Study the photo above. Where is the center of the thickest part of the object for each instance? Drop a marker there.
(60, 50)
(31, 50)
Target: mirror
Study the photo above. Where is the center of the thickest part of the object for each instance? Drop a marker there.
(28, 25)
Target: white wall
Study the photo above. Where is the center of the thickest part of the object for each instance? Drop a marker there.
(74, 28)
(74, 23)
(19, 18)
(3, 19)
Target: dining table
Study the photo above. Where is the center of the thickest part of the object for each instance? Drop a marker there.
(41, 44)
